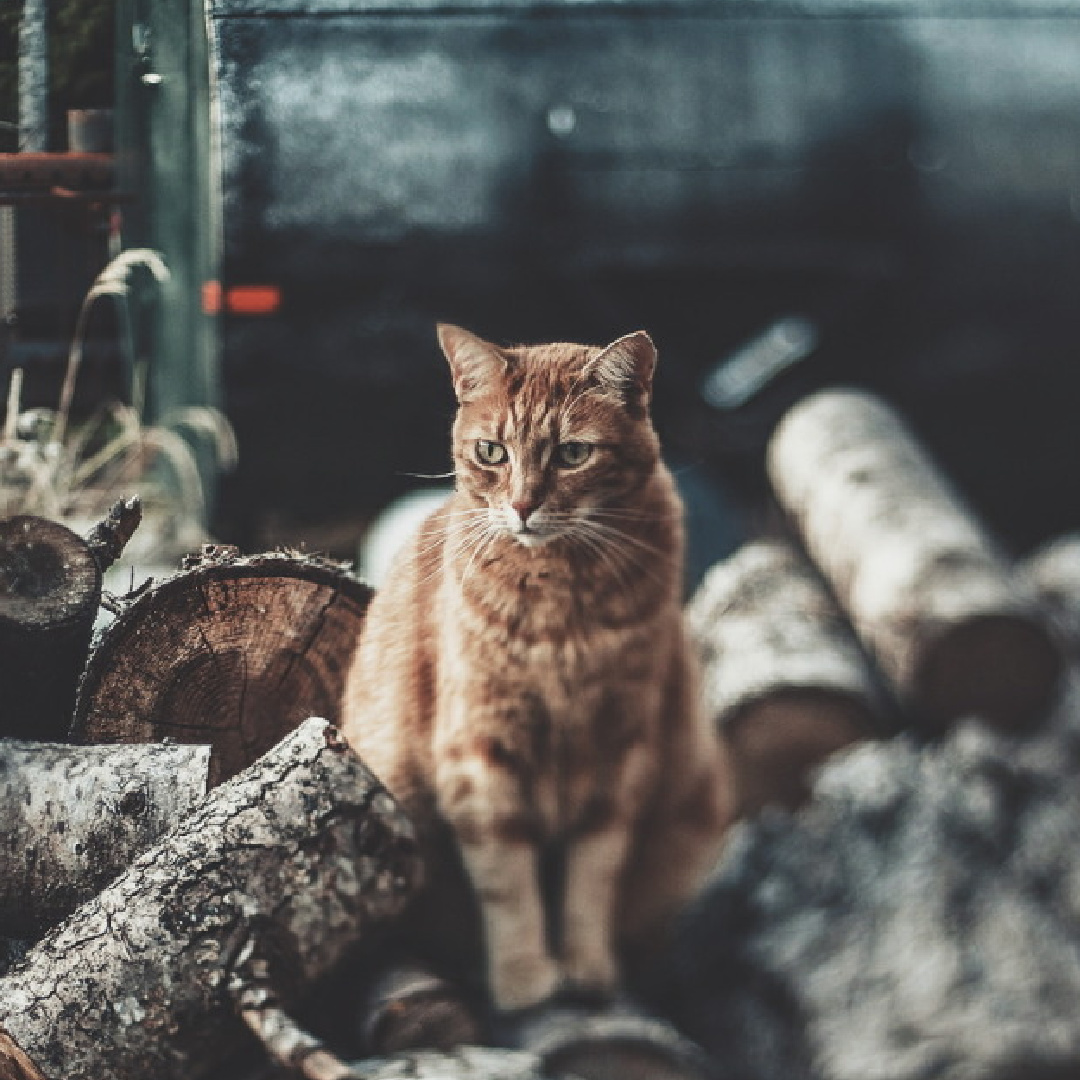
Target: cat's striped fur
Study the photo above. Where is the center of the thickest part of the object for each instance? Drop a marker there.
(524, 674)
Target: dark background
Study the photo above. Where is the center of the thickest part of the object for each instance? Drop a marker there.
(904, 174)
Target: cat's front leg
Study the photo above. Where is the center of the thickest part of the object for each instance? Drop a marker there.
(596, 860)
(482, 801)
(594, 865)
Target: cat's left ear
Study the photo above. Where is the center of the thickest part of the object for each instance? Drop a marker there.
(474, 362)
(625, 368)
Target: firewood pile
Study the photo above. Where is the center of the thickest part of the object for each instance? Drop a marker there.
(194, 871)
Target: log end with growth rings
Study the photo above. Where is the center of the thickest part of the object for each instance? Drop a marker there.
(48, 575)
(1002, 668)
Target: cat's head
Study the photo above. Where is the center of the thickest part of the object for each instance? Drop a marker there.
(549, 437)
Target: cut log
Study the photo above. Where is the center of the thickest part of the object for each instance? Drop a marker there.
(301, 855)
(917, 919)
(464, 1063)
(782, 673)
(73, 817)
(618, 1045)
(50, 588)
(411, 1008)
(1054, 573)
(928, 594)
(233, 652)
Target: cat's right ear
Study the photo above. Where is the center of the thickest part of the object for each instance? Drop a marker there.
(474, 363)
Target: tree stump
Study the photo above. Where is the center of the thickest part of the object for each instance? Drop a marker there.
(233, 652)
(72, 818)
(50, 588)
(782, 673)
(295, 860)
(923, 585)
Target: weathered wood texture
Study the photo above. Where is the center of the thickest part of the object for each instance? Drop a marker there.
(1054, 573)
(917, 920)
(782, 673)
(73, 817)
(302, 854)
(925, 589)
(233, 652)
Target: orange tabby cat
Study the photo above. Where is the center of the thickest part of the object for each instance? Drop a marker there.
(524, 674)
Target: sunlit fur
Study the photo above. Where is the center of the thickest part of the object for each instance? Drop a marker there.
(524, 686)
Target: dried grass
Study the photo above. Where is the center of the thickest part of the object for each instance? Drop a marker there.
(73, 473)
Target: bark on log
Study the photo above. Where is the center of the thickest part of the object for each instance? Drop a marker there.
(234, 652)
(299, 854)
(73, 817)
(1054, 573)
(464, 1063)
(411, 1008)
(953, 629)
(574, 1045)
(918, 919)
(782, 674)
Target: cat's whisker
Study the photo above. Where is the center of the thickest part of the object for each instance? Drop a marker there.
(629, 515)
(485, 542)
(619, 545)
(435, 534)
(596, 548)
(624, 537)
(460, 543)
(430, 475)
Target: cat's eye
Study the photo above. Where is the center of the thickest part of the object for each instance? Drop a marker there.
(490, 453)
(572, 454)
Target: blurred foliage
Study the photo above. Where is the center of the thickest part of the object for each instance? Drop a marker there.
(81, 54)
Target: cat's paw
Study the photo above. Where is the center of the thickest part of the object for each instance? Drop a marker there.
(592, 974)
(520, 982)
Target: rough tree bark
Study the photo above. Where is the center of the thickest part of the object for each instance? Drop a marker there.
(297, 856)
(233, 652)
(925, 589)
(50, 588)
(917, 920)
(782, 673)
(72, 818)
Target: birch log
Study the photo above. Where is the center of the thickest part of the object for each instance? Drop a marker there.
(300, 854)
(782, 673)
(927, 592)
(73, 817)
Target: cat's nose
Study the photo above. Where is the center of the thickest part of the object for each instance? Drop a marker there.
(524, 508)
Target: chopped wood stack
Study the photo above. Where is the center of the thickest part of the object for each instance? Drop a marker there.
(197, 919)
(73, 817)
(900, 568)
(781, 671)
(956, 632)
(918, 919)
(293, 859)
(234, 652)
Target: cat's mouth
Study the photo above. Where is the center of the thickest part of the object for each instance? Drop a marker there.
(530, 535)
